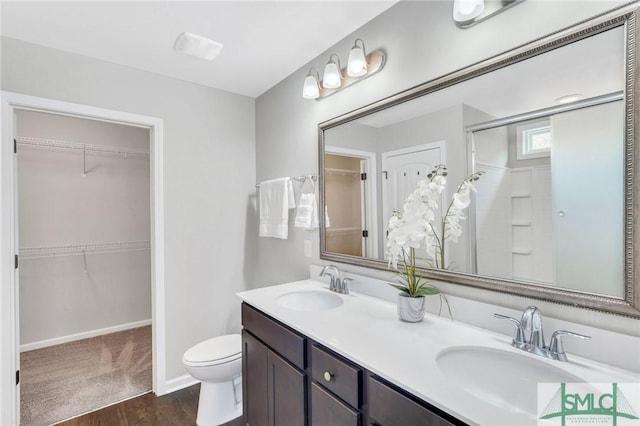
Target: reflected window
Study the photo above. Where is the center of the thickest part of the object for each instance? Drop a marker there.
(534, 140)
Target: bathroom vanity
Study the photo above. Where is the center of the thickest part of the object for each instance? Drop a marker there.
(289, 378)
(313, 357)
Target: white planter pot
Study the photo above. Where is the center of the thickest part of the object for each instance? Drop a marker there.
(410, 309)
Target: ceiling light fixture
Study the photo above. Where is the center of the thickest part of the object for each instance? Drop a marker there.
(357, 63)
(567, 99)
(311, 89)
(334, 78)
(198, 46)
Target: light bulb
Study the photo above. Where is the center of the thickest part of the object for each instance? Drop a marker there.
(310, 90)
(357, 64)
(332, 77)
(464, 10)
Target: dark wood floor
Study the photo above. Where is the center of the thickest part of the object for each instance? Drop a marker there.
(175, 409)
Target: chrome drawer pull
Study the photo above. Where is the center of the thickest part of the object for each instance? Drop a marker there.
(328, 376)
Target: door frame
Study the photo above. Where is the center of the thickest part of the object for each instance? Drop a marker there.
(9, 332)
(372, 189)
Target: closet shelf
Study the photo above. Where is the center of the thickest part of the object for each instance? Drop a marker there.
(338, 231)
(522, 251)
(52, 143)
(521, 223)
(342, 172)
(72, 250)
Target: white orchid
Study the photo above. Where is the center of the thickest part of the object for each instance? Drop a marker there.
(417, 223)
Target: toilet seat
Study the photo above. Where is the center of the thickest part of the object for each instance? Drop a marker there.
(216, 351)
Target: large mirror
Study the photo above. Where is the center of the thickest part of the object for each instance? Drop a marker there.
(550, 128)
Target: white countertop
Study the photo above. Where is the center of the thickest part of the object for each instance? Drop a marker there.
(367, 331)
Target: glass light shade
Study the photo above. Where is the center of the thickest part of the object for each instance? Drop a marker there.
(311, 89)
(357, 65)
(464, 10)
(331, 77)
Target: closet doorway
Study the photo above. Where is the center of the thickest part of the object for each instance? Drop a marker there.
(85, 276)
(87, 225)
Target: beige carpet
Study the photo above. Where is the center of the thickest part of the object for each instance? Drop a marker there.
(64, 381)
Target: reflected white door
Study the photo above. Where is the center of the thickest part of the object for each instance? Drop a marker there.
(402, 170)
(586, 159)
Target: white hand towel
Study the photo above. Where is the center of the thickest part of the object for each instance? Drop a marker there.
(307, 212)
(276, 198)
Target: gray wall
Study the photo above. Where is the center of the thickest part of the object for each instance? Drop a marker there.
(209, 175)
(421, 43)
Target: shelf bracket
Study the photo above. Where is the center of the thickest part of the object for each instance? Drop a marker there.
(84, 161)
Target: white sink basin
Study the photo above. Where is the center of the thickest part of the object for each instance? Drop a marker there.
(309, 300)
(504, 379)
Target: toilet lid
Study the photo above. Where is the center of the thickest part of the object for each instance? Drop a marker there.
(221, 348)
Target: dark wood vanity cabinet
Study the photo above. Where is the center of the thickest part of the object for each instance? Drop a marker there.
(274, 388)
(290, 380)
(390, 407)
(336, 389)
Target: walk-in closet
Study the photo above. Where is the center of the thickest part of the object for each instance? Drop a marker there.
(85, 269)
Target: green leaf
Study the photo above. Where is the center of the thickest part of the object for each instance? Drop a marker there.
(400, 287)
(426, 291)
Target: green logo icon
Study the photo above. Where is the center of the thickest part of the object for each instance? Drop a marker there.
(586, 404)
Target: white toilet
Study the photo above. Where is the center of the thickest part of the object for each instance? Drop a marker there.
(217, 363)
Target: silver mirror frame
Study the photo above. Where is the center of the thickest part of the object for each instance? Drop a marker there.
(629, 305)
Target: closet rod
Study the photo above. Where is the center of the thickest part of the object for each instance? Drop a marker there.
(52, 143)
(73, 250)
(302, 179)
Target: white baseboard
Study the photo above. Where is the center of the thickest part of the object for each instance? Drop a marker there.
(179, 383)
(84, 335)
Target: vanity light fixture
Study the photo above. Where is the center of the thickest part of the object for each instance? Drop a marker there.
(466, 10)
(332, 77)
(311, 89)
(198, 46)
(357, 63)
(467, 13)
(359, 66)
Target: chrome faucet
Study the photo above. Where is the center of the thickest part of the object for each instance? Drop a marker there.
(337, 284)
(529, 336)
(531, 324)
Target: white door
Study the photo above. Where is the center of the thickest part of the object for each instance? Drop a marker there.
(586, 151)
(402, 170)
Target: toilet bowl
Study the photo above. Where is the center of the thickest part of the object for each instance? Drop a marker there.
(217, 363)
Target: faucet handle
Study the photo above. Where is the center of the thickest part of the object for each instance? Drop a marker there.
(344, 285)
(557, 348)
(518, 336)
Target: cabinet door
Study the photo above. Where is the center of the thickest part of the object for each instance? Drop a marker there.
(388, 407)
(326, 409)
(254, 381)
(286, 393)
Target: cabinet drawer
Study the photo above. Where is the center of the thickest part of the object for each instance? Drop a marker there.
(339, 376)
(388, 407)
(286, 342)
(326, 409)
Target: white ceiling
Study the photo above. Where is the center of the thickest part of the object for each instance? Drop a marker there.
(264, 41)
